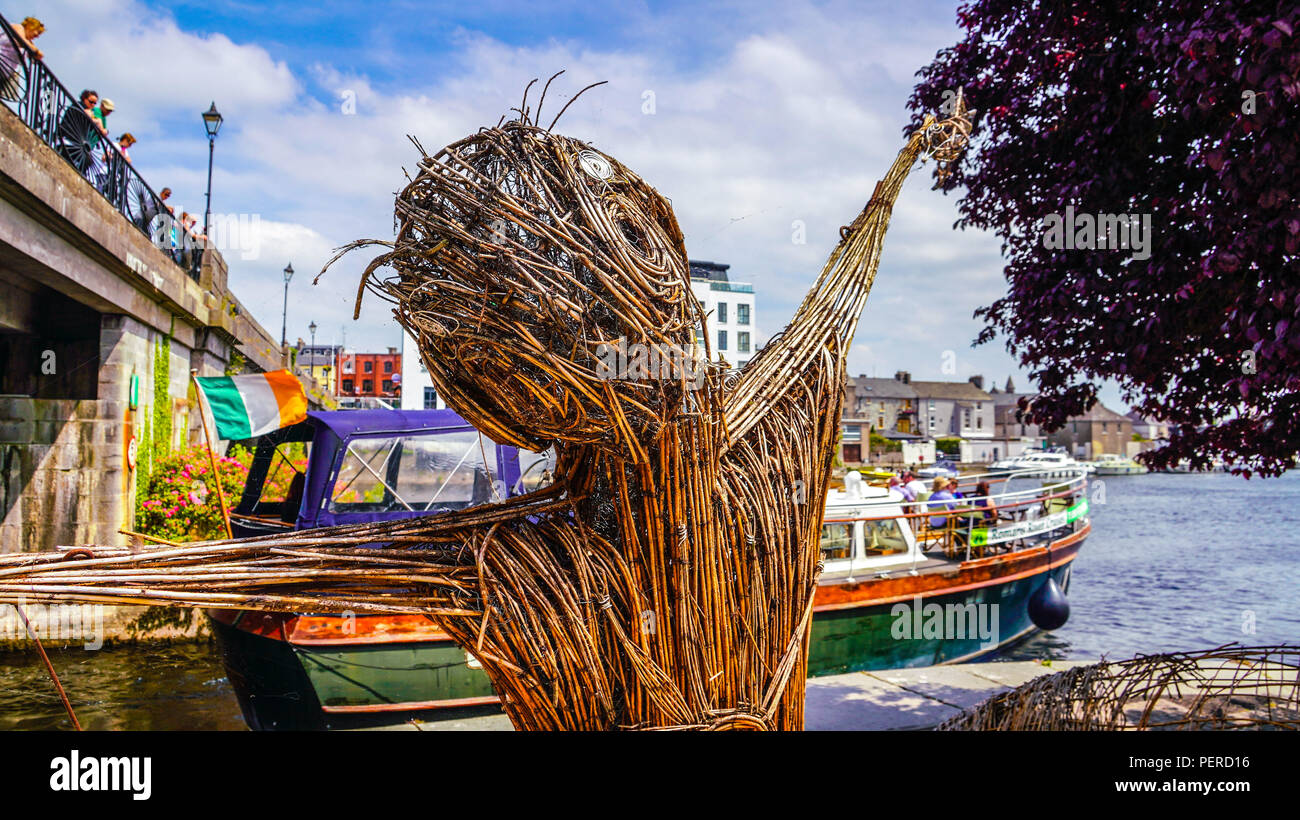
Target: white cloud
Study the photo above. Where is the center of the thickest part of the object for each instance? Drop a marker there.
(794, 118)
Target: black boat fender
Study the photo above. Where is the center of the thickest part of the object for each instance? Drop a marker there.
(1048, 608)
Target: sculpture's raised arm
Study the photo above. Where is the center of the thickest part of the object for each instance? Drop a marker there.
(822, 329)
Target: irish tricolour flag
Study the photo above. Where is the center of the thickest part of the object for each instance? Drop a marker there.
(248, 406)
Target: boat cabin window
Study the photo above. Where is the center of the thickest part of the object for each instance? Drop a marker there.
(536, 470)
(883, 537)
(837, 541)
(432, 472)
(284, 481)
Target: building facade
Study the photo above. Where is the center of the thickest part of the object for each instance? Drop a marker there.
(1100, 430)
(957, 410)
(730, 323)
(369, 375)
(418, 392)
(1012, 436)
(884, 406)
(318, 361)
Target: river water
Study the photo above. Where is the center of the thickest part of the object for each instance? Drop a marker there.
(1175, 561)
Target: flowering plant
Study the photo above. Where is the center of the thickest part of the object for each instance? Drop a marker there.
(180, 501)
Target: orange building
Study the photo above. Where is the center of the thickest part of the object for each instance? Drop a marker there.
(376, 375)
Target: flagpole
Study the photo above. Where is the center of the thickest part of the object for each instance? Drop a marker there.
(212, 457)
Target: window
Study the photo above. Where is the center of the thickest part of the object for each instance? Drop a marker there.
(430, 398)
(979, 422)
(852, 432)
(722, 312)
(388, 367)
(347, 385)
(742, 314)
(883, 537)
(536, 470)
(880, 422)
(387, 386)
(368, 386)
(742, 342)
(722, 340)
(837, 541)
(369, 367)
(287, 461)
(431, 472)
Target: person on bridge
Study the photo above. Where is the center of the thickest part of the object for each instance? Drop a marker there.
(13, 56)
(79, 131)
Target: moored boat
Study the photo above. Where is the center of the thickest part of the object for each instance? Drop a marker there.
(1111, 464)
(1041, 463)
(905, 583)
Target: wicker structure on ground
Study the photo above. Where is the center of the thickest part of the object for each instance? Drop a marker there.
(666, 578)
(1231, 687)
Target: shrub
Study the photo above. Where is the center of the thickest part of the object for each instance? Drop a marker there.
(180, 501)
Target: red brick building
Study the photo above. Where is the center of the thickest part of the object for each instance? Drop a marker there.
(377, 375)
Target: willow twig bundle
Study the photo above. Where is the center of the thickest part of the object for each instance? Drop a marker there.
(1230, 687)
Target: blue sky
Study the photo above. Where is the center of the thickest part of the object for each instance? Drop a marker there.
(769, 120)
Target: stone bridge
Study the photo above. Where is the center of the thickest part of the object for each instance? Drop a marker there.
(99, 330)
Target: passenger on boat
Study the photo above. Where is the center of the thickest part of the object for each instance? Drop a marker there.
(896, 483)
(982, 499)
(940, 498)
(916, 485)
(952, 488)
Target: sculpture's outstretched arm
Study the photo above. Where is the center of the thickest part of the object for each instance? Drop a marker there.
(823, 326)
(422, 566)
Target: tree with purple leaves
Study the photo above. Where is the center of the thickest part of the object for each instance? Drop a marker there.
(1096, 120)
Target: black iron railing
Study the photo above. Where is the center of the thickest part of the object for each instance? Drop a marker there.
(30, 90)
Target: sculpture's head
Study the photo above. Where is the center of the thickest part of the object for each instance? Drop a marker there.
(522, 259)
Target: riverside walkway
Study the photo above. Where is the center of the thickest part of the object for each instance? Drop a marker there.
(883, 700)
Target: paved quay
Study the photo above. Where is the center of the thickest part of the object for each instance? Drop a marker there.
(884, 700)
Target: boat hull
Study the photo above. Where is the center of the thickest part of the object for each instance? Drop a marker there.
(918, 632)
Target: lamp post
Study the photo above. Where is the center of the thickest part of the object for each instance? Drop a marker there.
(212, 120)
(311, 362)
(284, 317)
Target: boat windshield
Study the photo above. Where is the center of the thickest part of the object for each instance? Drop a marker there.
(419, 473)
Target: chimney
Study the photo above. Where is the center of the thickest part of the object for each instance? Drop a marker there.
(978, 381)
(903, 376)
(392, 351)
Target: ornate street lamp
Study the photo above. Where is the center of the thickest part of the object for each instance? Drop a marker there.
(284, 317)
(212, 120)
(311, 354)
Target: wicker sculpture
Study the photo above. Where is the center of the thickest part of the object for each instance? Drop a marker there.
(666, 578)
(1231, 687)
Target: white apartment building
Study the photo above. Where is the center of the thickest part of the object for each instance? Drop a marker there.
(417, 387)
(731, 326)
(729, 306)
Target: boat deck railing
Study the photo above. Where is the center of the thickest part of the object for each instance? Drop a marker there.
(979, 526)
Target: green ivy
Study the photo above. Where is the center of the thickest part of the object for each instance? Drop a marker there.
(155, 444)
(162, 402)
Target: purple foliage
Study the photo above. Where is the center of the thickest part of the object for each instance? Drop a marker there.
(1184, 111)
